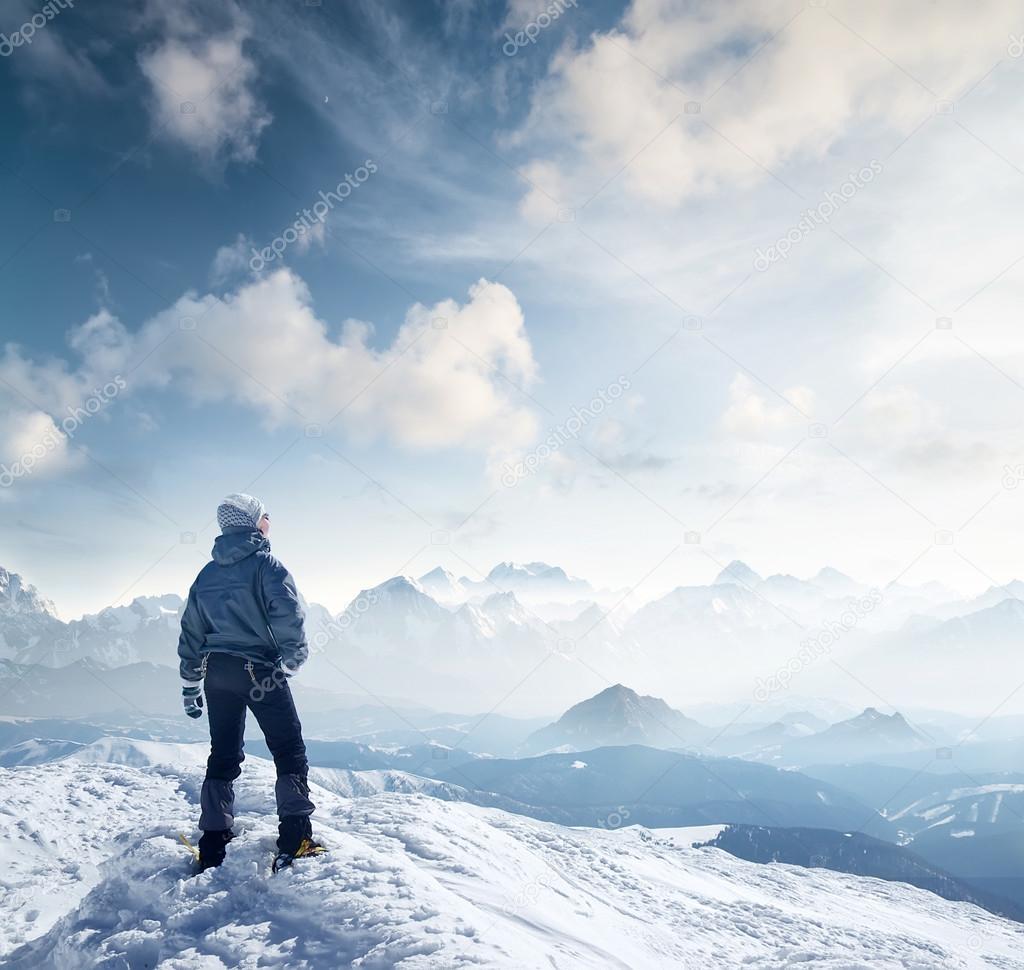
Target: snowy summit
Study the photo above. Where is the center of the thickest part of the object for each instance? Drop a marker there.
(101, 880)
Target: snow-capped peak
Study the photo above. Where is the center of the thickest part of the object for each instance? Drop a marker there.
(17, 596)
(739, 573)
(398, 588)
(509, 568)
(835, 583)
(442, 585)
(127, 619)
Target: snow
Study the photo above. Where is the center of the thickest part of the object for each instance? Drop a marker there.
(141, 754)
(964, 834)
(36, 751)
(967, 806)
(689, 835)
(93, 877)
(1004, 787)
(353, 784)
(995, 808)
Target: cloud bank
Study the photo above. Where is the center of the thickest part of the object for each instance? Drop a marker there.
(448, 378)
(695, 98)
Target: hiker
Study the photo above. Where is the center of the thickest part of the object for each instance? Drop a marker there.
(242, 637)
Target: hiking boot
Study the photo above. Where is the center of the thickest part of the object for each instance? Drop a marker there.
(306, 849)
(212, 847)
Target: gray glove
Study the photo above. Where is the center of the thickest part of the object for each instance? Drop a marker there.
(192, 698)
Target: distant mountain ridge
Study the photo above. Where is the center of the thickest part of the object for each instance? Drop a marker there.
(659, 788)
(617, 716)
(858, 854)
(440, 638)
(868, 735)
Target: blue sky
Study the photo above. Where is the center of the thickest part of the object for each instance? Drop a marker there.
(585, 211)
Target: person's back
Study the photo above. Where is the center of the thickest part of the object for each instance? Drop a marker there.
(242, 636)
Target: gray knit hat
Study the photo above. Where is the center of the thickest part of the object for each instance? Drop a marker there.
(239, 509)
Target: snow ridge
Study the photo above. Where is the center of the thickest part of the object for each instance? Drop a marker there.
(413, 882)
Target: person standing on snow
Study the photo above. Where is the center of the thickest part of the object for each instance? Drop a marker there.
(242, 637)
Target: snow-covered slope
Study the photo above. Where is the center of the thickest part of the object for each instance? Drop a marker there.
(37, 751)
(141, 754)
(413, 882)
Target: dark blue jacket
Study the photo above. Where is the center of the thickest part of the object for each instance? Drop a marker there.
(245, 603)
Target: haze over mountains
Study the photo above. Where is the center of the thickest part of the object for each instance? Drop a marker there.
(617, 716)
(855, 853)
(617, 758)
(741, 635)
(620, 716)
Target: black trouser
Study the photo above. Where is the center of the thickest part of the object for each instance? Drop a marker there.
(231, 686)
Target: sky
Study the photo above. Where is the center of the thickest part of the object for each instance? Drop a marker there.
(635, 289)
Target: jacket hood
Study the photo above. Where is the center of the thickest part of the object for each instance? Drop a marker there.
(236, 544)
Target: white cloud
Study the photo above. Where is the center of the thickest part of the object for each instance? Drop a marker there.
(317, 233)
(547, 188)
(916, 434)
(43, 403)
(610, 432)
(447, 379)
(899, 411)
(754, 412)
(231, 261)
(31, 443)
(795, 97)
(48, 59)
(202, 91)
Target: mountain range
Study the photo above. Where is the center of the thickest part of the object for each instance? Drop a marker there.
(619, 715)
(440, 639)
(855, 853)
(604, 787)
